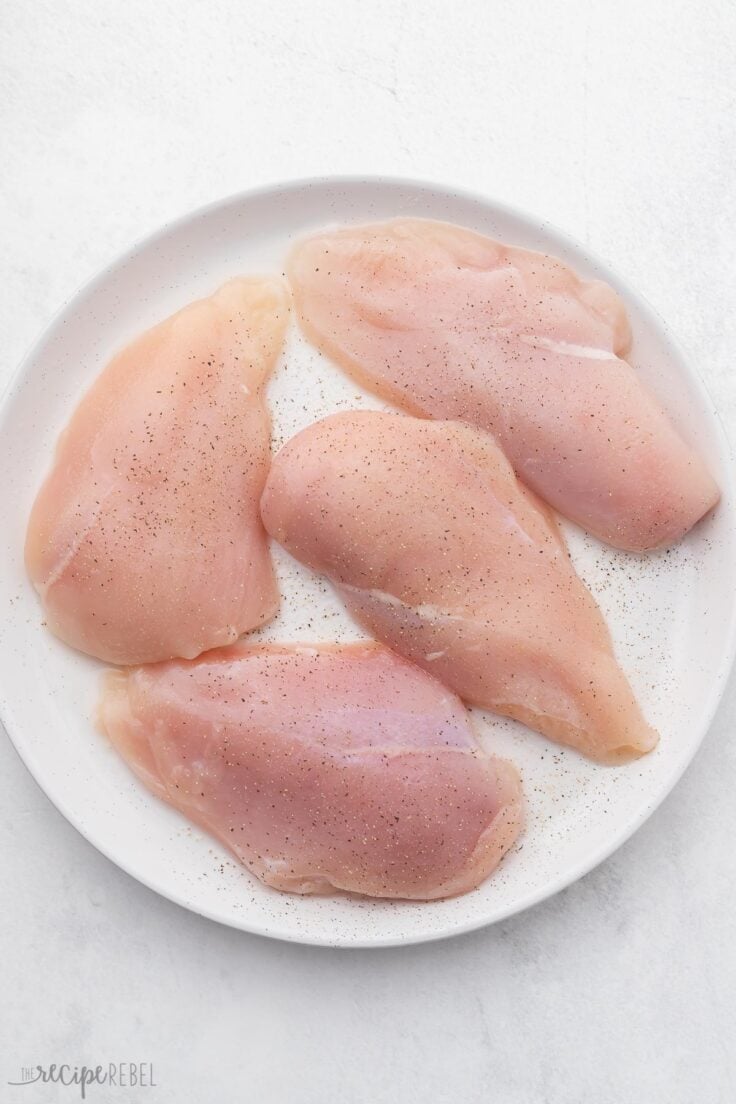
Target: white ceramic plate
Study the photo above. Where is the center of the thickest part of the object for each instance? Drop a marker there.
(672, 614)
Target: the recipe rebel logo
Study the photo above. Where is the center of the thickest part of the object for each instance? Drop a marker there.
(115, 1075)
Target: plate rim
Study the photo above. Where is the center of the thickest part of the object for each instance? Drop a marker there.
(719, 678)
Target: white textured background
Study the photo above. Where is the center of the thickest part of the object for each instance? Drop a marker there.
(617, 121)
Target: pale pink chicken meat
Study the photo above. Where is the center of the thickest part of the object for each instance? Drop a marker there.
(451, 324)
(321, 768)
(145, 541)
(444, 556)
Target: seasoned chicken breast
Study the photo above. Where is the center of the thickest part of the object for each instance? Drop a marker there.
(450, 324)
(444, 556)
(321, 768)
(145, 541)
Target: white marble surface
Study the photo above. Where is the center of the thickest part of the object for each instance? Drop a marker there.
(615, 121)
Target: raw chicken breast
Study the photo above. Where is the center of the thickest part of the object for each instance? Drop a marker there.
(451, 324)
(145, 542)
(322, 768)
(441, 554)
